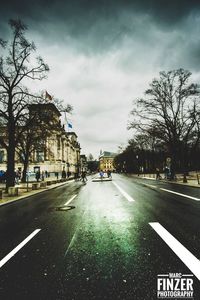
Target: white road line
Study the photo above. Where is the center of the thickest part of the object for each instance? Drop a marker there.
(150, 185)
(185, 255)
(183, 195)
(70, 200)
(16, 249)
(129, 198)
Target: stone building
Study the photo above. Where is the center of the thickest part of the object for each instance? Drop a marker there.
(106, 160)
(60, 150)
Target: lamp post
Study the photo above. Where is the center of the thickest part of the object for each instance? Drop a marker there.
(137, 157)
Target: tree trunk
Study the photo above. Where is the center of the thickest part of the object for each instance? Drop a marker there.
(25, 169)
(10, 174)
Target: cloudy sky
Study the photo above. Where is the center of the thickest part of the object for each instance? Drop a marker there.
(103, 54)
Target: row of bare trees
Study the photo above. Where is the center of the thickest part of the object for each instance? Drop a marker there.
(165, 123)
(20, 131)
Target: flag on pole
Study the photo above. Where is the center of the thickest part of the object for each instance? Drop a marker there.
(48, 97)
(68, 122)
(69, 125)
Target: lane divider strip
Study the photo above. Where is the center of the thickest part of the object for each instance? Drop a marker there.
(183, 253)
(129, 198)
(16, 249)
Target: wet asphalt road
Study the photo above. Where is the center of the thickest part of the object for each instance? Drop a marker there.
(104, 248)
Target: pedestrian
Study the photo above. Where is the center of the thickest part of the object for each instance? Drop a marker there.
(46, 174)
(109, 174)
(56, 175)
(16, 177)
(76, 176)
(37, 176)
(83, 176)
(64, 174)
(101, 174)
(166, 172)
(158, 174)
(42, 175)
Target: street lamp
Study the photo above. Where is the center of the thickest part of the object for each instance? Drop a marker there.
(137, 157)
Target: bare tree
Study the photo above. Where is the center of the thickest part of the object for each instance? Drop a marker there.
(170, 109)
(17, 64)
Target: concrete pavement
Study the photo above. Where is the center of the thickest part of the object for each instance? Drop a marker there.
(191, 180)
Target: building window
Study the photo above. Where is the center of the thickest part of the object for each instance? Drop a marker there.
(40, 156)
(58, 143)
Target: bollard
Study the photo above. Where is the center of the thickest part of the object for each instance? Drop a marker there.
(198, 178)
(12, 191)
(43, 184)
(184, 178)
(35, 186)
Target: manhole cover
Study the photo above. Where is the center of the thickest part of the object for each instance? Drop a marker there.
(62, 208)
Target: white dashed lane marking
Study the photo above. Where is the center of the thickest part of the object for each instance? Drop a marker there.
(179, 194)
(16, 249)
(129, 198)
(183, 253)
(172, 192)
(70, 200)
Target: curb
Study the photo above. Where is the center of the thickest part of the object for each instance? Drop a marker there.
(37, 192)
(178, 183)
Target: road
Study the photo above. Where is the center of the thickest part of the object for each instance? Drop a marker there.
(114, 243)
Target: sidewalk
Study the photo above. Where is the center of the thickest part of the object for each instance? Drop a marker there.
(191, 179)
(23, 193)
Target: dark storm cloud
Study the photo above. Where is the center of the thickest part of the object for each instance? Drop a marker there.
(101, 24)
(166, 11)
(80, 15)
(97, 26)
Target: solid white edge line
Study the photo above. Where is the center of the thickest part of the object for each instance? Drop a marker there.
(70, 200)
(16, 249)
(183, 253)
(183, 195)
(129, 198)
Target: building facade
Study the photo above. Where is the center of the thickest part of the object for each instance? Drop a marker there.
(106, 160)
(59, 151)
